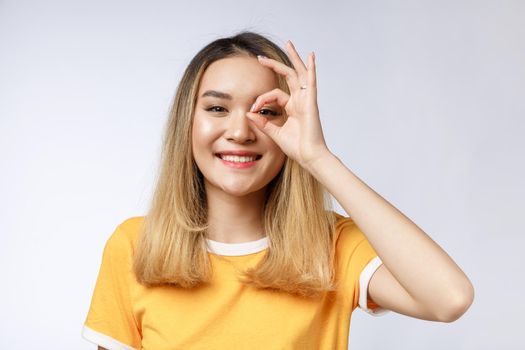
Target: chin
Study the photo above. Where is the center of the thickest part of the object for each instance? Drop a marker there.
(240, 191)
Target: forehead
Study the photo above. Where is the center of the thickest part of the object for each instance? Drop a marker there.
(239, 76)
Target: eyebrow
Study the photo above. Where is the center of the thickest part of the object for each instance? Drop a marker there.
(218, 94)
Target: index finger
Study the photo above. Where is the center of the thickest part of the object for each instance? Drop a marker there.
(289, 73)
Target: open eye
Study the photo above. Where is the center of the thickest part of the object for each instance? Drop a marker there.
(266, 111)
(215, 109)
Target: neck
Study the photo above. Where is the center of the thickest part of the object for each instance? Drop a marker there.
(234, 219)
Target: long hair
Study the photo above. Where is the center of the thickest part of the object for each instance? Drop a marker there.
(171, 248)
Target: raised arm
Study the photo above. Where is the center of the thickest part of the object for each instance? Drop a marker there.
(418, 278)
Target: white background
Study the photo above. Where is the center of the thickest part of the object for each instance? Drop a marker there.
(423, 100)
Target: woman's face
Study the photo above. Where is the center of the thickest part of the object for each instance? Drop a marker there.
(227, 90)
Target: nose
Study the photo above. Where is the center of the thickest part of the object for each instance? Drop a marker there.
(239, 129)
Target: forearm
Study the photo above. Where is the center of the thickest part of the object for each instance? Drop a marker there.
(425, 270)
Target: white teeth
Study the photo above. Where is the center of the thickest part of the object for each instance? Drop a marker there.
(237, 158)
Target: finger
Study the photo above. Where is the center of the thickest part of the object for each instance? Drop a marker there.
(289, 73)
(264, 125)
(274, 95)
(296, 60)
(312, 75)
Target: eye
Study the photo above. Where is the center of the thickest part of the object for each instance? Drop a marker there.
(215, 109)
(269, 112)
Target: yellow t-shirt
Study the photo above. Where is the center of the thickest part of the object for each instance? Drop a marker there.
(226, 314)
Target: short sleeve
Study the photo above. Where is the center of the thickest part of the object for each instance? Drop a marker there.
(361, 263)
(365, 303)
(110, 322)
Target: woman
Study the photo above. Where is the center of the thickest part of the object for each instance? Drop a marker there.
(239, 248)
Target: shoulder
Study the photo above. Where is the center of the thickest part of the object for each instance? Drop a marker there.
(346, 231)
(125, 234)
(131, 225)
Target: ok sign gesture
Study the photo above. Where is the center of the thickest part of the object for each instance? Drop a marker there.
(301, 136)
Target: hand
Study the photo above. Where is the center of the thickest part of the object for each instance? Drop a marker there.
(301, 136)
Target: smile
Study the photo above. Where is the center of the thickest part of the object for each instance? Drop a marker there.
(237, 159)
(238, 162)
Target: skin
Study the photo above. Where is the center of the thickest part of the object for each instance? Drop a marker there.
(235, 196)
(417, 278)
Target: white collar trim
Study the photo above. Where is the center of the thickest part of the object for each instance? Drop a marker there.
(236, 249)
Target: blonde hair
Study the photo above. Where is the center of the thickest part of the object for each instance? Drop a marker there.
(171, 249)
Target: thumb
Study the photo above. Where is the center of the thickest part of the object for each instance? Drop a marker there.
(262, 124)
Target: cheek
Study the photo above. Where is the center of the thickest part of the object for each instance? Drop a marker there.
(275, 149)
(203, 132)
(279, 157)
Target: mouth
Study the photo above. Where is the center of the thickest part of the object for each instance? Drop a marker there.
(238, 159)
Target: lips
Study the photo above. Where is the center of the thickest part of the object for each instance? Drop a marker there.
(239, 154)
(238, 159)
